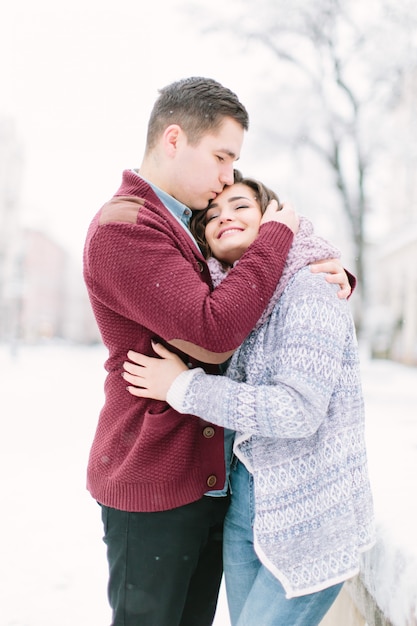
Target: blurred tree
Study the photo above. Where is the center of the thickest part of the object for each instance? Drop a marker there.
(348, 59)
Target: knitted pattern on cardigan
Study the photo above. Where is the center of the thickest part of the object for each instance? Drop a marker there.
(293, 394)
(147, 280)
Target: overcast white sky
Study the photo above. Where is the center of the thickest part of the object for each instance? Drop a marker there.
(79, 79)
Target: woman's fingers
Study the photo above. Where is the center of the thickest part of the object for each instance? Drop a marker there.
(134, 379)
(139, 392)
(151, 377)
(132, 368)
(137, 357)
(142, 359)
(162, 351)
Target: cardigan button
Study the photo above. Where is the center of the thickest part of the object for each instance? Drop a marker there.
(208, 432)
(211, 481)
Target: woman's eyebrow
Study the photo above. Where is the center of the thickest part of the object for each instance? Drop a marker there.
(238, 198)
(215, 204)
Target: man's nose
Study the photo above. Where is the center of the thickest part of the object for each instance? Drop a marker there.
(227, 176)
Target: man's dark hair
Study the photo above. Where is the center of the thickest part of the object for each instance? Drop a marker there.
(196, 104)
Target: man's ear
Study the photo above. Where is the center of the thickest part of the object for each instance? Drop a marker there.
(172, 136)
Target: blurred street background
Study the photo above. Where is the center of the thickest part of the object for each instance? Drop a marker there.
(331, 89)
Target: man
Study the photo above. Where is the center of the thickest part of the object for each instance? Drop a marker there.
(159, 477)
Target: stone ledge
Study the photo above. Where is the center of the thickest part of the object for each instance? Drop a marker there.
(366, 604)
(355, 606)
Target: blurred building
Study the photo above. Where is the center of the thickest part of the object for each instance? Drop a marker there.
(10, 171)
(80, 325)
(392, 320)
(395, 333)
(43, 271)
(42, 293)
(53, 299)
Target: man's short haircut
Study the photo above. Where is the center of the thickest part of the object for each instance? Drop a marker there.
(198, 105)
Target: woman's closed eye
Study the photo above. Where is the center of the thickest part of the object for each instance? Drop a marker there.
(215, 215)
(211, 216)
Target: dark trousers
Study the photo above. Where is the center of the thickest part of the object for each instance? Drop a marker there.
(165, 568)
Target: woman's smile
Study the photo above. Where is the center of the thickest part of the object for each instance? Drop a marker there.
(232, 222)
(229, 231)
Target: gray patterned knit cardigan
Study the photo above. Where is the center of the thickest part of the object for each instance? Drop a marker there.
(293, 395)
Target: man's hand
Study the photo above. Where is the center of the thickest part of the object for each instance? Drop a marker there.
(285, 215)
(335, 274)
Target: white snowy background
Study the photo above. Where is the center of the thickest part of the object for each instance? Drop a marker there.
(52, 560)
(62, 70)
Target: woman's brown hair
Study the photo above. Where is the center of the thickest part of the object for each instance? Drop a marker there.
(263, 195)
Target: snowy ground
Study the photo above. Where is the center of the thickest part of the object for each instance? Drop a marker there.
(52, 560)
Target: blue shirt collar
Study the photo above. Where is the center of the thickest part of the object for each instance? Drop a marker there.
(178, 209)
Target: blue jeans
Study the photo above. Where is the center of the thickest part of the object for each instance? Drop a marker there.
(254, 595)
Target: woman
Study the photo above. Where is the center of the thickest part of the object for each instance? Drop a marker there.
(301, 509)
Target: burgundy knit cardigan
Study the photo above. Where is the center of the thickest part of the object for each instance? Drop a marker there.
(147, 280)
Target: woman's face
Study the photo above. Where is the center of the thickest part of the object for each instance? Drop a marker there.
(232, 222)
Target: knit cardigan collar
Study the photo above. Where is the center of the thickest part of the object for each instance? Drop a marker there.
(306, 248)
